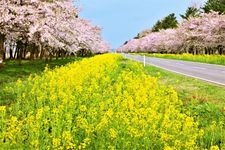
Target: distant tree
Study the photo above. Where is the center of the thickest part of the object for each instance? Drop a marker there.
(157, 26)
(214, 5)
(191, 12)
(137, 36)
(125, 42)
(197, 35)
(143, 33)
(169, 22)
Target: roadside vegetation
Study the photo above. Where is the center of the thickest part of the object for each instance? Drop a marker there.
(204, 101)
(108, 102)
(190, 89)
(12, 71)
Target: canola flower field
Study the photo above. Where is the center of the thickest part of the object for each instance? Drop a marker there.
(103, 102)
(212, 59)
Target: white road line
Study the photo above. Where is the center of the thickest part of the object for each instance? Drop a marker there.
(215, 82)
(199, 68)
(179, 64)
(223, 84)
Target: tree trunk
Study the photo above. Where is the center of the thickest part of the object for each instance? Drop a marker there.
(20, 56)
(32, 54)
(62, 54)
(57, 54)
(2, 39)
(19, 52)
(220, 50)
(37, 51)
(208, 51)
(10, 53)
(66, 55)
(82, 52)
(46, 53)
(203, 51)
(50, 56)
(194, 51)
(32, 51)
(186, 50)
(11, 47)
(4, 55)
(42, 51)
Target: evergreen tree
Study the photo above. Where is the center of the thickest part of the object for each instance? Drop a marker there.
(168, 22)
(191, 12)
(157, 26)
(214, 5)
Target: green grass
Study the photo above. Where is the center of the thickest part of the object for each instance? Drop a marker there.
(211, 59)
(12, 71)
(188, 88)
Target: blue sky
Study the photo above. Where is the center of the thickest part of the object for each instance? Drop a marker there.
(121, 20)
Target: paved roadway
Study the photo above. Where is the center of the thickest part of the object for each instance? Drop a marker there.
(207, 72)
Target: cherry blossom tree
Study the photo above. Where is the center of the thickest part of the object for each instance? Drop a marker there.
(203, 34)
(47, 26)
(162, 41)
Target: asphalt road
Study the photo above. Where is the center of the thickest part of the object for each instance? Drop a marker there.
(207, 72)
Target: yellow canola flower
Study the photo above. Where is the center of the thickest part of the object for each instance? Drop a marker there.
(34, 143)
(84, 144)
(83, 108)
(113, 133)
(68, 140)
(56, 142)
(102, 102)
(214, 148)
(168, 148)
(2, 109)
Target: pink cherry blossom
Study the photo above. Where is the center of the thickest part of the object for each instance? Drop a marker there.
(199, 33)
(51, 24)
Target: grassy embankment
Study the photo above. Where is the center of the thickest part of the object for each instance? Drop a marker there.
(107, 102)
(12, 71)
(204, 101)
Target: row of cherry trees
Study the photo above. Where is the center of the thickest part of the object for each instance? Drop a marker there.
(198, 35)
(43, 28)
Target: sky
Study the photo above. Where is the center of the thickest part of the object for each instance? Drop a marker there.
(121, 20)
